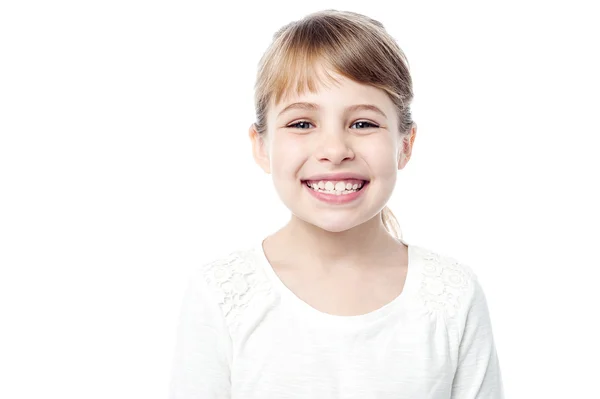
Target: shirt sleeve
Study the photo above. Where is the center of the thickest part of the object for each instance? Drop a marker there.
(201, 363)
(478, 373)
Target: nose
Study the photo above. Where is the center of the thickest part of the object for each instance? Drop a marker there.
(334, 146)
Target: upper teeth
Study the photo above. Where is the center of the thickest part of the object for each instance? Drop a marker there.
(338, 186)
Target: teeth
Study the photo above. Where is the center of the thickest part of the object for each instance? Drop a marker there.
(339, 187)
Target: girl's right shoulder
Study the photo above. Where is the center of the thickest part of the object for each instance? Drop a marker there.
(233, 280)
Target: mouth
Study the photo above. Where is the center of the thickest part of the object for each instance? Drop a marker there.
(359, 184)
(337, 194)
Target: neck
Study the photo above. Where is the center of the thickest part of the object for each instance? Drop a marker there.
(326, 250)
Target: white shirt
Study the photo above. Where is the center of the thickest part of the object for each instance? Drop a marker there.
(243, 334)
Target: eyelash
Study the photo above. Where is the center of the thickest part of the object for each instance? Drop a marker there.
(296, 123)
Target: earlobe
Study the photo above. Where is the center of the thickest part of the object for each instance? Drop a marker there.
(260, 151)
(405, 151)
(402, 160)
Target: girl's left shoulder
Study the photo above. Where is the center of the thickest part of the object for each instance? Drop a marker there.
(445, 285)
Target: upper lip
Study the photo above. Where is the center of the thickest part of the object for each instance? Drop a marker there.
(338, 176)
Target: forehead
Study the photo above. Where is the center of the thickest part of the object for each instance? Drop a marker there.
(345, 97)
(311, 106)
(329, 92)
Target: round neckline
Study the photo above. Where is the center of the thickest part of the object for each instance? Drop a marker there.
(339, 320)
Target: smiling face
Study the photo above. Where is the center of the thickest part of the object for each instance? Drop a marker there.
(333, 135)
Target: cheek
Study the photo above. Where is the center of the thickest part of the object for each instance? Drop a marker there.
(381, 158)
(287, 157)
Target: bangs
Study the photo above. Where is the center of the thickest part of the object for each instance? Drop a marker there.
(301, 72)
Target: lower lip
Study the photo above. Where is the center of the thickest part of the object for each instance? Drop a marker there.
(336, 199)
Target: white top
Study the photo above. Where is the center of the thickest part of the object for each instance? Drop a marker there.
(243, 334)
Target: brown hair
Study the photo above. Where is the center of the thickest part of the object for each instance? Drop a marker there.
(352, 45)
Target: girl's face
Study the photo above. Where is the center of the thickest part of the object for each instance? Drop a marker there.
(302, 143)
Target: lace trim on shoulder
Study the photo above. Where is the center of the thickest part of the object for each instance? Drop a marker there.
(444, 283)
(235, 280)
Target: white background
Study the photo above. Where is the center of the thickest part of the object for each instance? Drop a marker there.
(125, 162)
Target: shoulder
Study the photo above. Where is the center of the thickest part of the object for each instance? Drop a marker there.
(233, 279)
(446, 285)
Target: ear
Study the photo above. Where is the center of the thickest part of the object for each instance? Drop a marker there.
(260, 150)
(406, 147)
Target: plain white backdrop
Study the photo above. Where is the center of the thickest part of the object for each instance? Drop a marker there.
(125, 162)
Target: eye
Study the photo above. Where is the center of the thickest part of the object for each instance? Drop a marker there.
(295, 125)
(365, 122)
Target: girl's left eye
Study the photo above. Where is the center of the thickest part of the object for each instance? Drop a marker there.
(294, 125)
(365, 122)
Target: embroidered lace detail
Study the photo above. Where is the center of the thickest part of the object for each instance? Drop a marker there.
(236, 281)
(444, 282)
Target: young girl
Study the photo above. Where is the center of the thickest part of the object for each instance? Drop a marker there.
(334, 305)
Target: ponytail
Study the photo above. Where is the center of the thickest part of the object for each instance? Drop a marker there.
(391, 223)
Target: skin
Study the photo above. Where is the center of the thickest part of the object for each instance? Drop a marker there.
(347, 242)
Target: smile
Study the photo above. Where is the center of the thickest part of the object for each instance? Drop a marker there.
(342, 196)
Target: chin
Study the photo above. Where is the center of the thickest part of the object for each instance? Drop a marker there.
(333, 226)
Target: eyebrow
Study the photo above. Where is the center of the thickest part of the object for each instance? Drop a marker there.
(315, 107)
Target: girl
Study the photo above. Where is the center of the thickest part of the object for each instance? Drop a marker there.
(334, 304)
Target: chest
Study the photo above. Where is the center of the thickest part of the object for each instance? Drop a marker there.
(385, 362)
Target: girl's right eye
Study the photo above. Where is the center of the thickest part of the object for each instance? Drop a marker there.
(295, 125)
